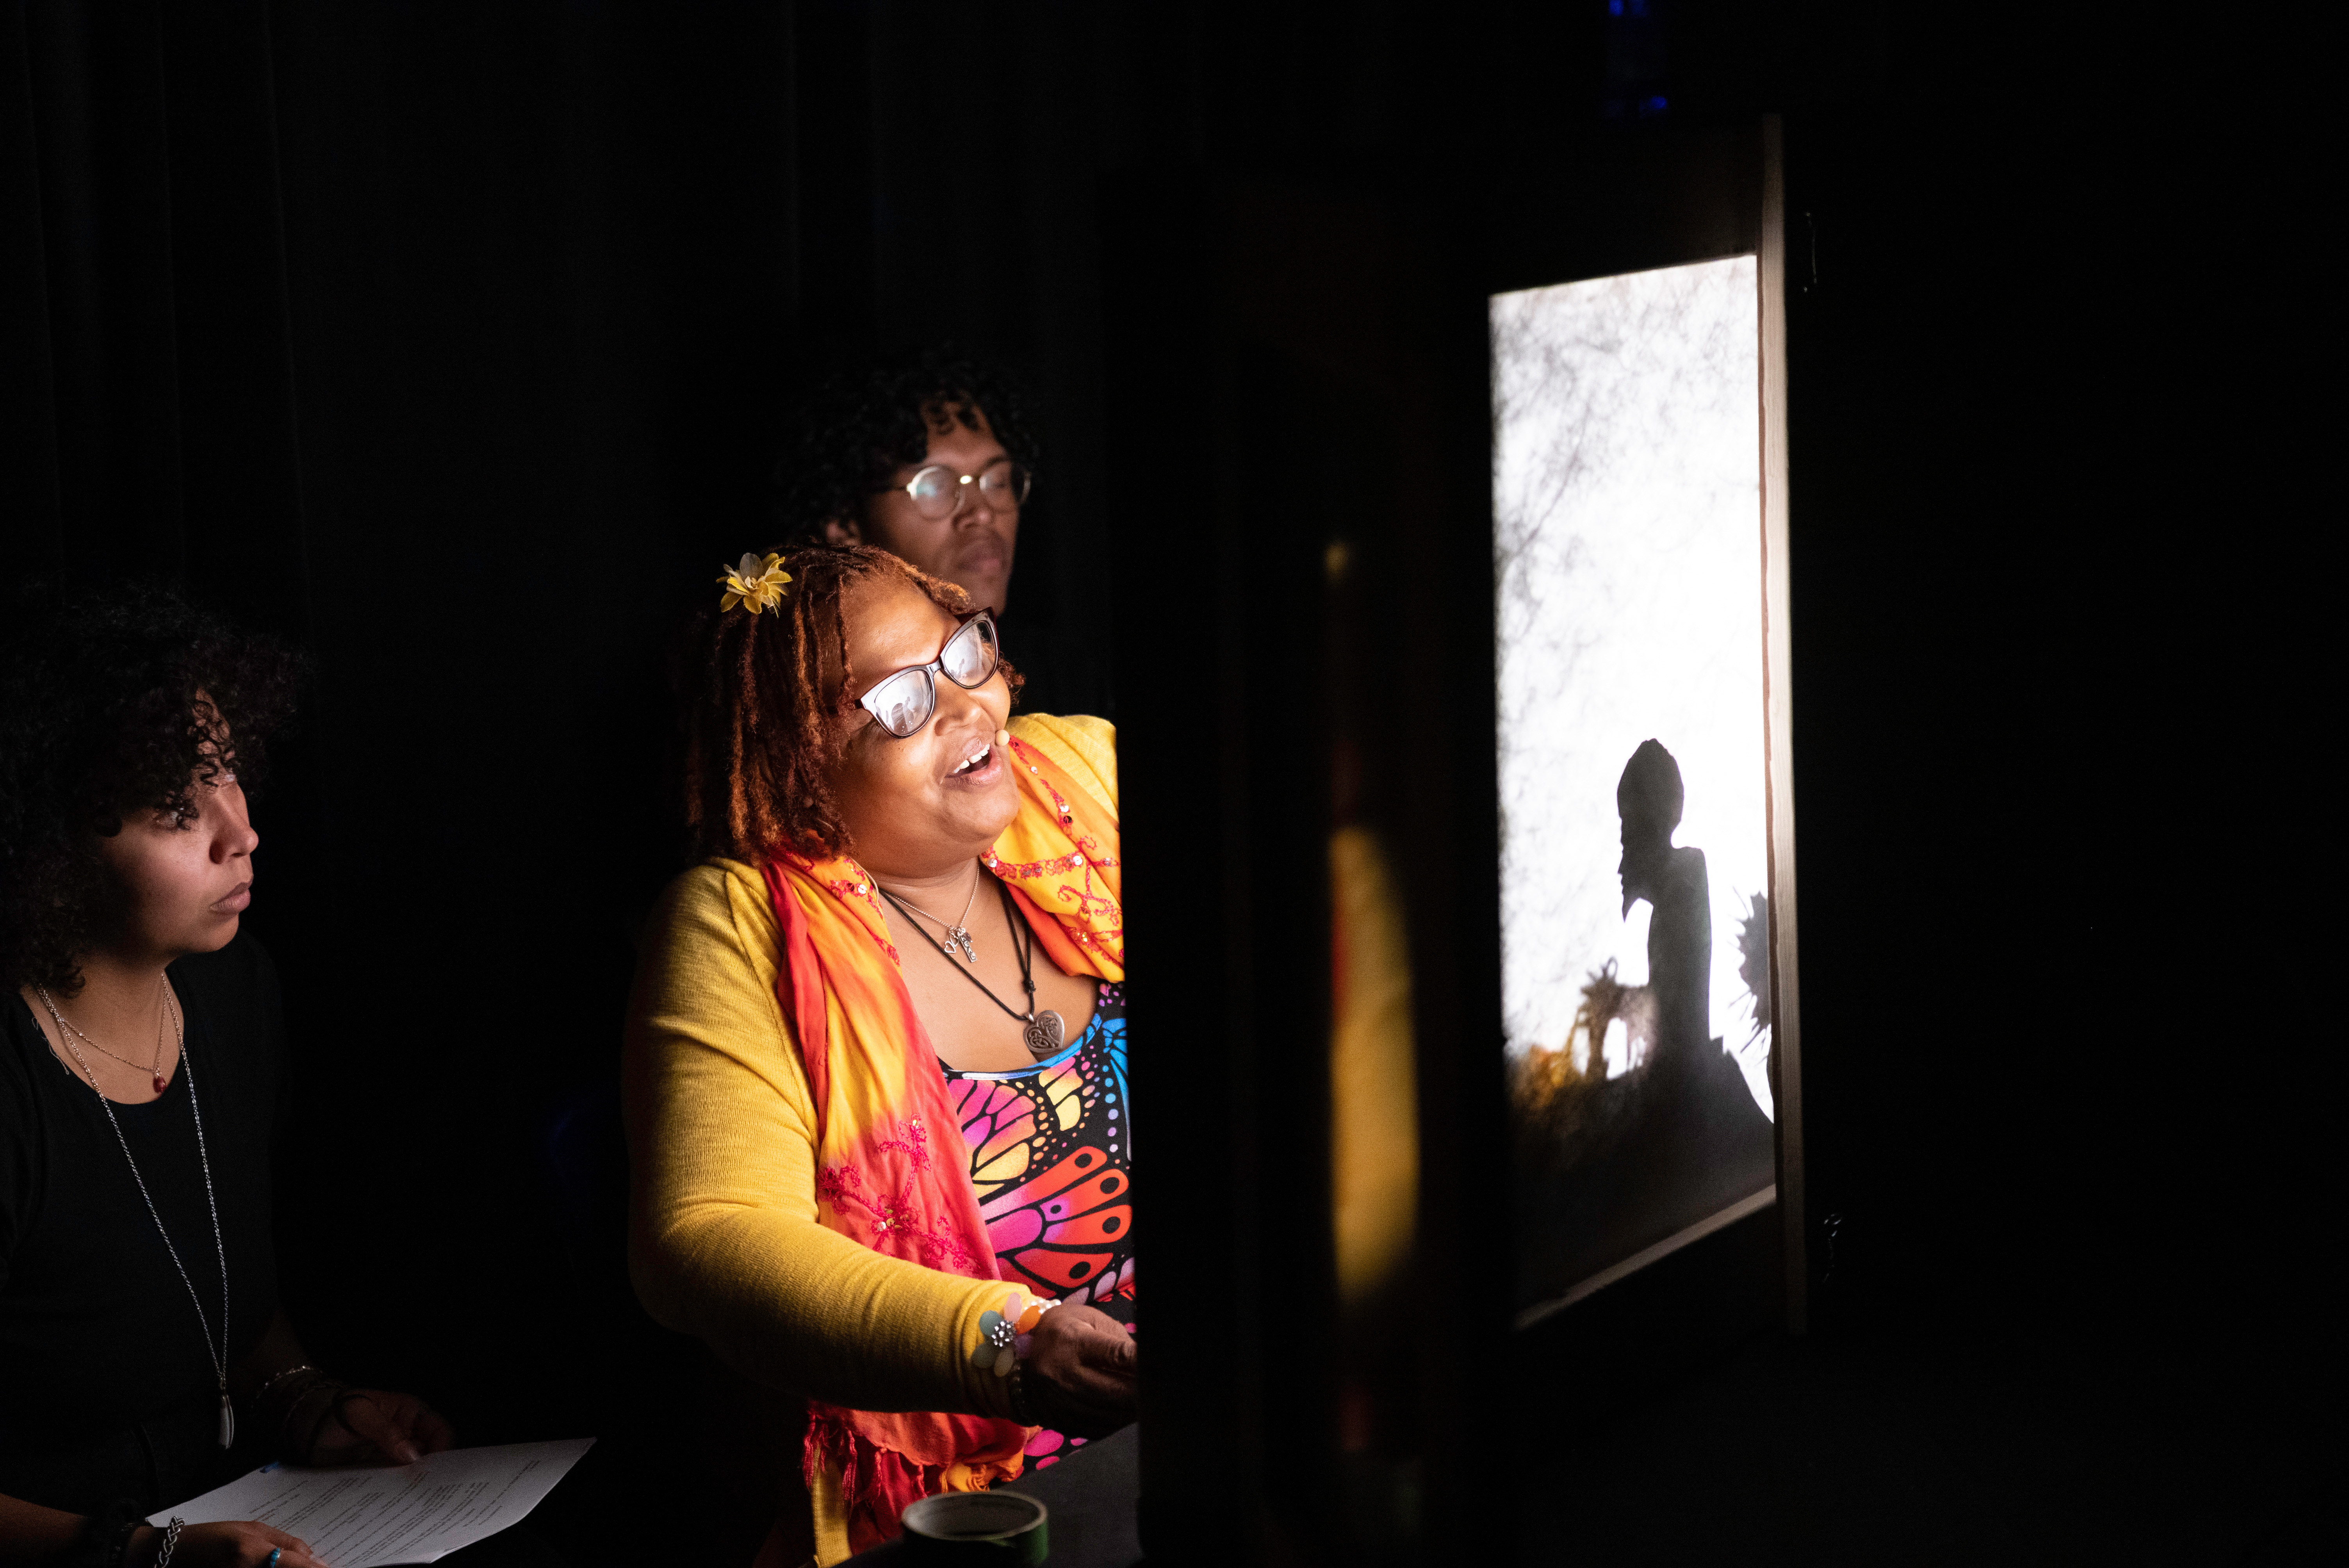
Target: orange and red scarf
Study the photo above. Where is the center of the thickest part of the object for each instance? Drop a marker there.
(892, 1172)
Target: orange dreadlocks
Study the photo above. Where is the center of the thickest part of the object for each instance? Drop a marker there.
(759, 731)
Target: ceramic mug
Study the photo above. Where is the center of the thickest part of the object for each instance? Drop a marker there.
(1000, 1528)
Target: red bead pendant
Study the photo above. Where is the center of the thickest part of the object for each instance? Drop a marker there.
(159, 1083)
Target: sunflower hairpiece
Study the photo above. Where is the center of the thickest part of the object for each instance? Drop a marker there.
(754, 583)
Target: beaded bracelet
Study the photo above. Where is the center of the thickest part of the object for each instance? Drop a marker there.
(1003, 1333)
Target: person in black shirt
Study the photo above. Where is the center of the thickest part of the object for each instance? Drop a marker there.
(143, 1356)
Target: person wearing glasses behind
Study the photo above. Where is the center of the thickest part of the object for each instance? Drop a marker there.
(144, 1358)
(929, 457)
(878, 1121)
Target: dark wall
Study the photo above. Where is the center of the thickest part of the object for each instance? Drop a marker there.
(448, 342)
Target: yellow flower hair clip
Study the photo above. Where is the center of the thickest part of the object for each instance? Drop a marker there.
(755, 582)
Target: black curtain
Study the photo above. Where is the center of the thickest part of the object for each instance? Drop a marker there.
(449, 344)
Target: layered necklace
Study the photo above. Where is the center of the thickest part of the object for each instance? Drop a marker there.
(1042, 1032)
(957, 934)
(69, 1034)
(154, 1069)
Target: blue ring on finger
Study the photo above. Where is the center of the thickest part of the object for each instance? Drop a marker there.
(274, 1554)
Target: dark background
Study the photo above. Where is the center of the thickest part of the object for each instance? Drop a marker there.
(448, 342)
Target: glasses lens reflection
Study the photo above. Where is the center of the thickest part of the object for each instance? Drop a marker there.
(1004, 484)
(971, 654)
(903, 703)
(937, 490)
(932, 490)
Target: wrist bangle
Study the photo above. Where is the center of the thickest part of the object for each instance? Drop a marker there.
(297, 1448)
(283, 1395)
(170, 1542)
(279, 1376)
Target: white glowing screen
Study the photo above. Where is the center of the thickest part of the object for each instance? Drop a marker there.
(1627, 499)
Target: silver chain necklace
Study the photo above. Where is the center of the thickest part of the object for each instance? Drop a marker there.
(161, 1016)
(66, 1032)
(957, 934)
(1043, 1031)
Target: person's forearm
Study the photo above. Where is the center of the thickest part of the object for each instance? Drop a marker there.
(30, 1533)
(797, 1306)
(280, 1392)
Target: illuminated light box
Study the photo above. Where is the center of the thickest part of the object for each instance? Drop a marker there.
(1634, 767)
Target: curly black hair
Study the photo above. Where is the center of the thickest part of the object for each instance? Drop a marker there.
(112, 704)
(859, 427)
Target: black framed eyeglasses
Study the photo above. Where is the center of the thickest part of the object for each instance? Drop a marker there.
(939, 492)
(903, 702)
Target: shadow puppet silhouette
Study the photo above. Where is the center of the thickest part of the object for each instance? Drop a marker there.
(1609, 1166)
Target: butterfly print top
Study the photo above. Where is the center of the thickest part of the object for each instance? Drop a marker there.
(1052, 1150)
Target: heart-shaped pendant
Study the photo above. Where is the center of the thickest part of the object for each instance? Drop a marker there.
(1044, 1034)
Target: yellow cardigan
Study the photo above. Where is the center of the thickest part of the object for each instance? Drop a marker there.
(723, 1239)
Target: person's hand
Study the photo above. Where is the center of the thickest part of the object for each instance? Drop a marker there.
(246, 1544)
(1080, 1372)
(370, 1425)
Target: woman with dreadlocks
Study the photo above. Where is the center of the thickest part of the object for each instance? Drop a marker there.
(877, 1105)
